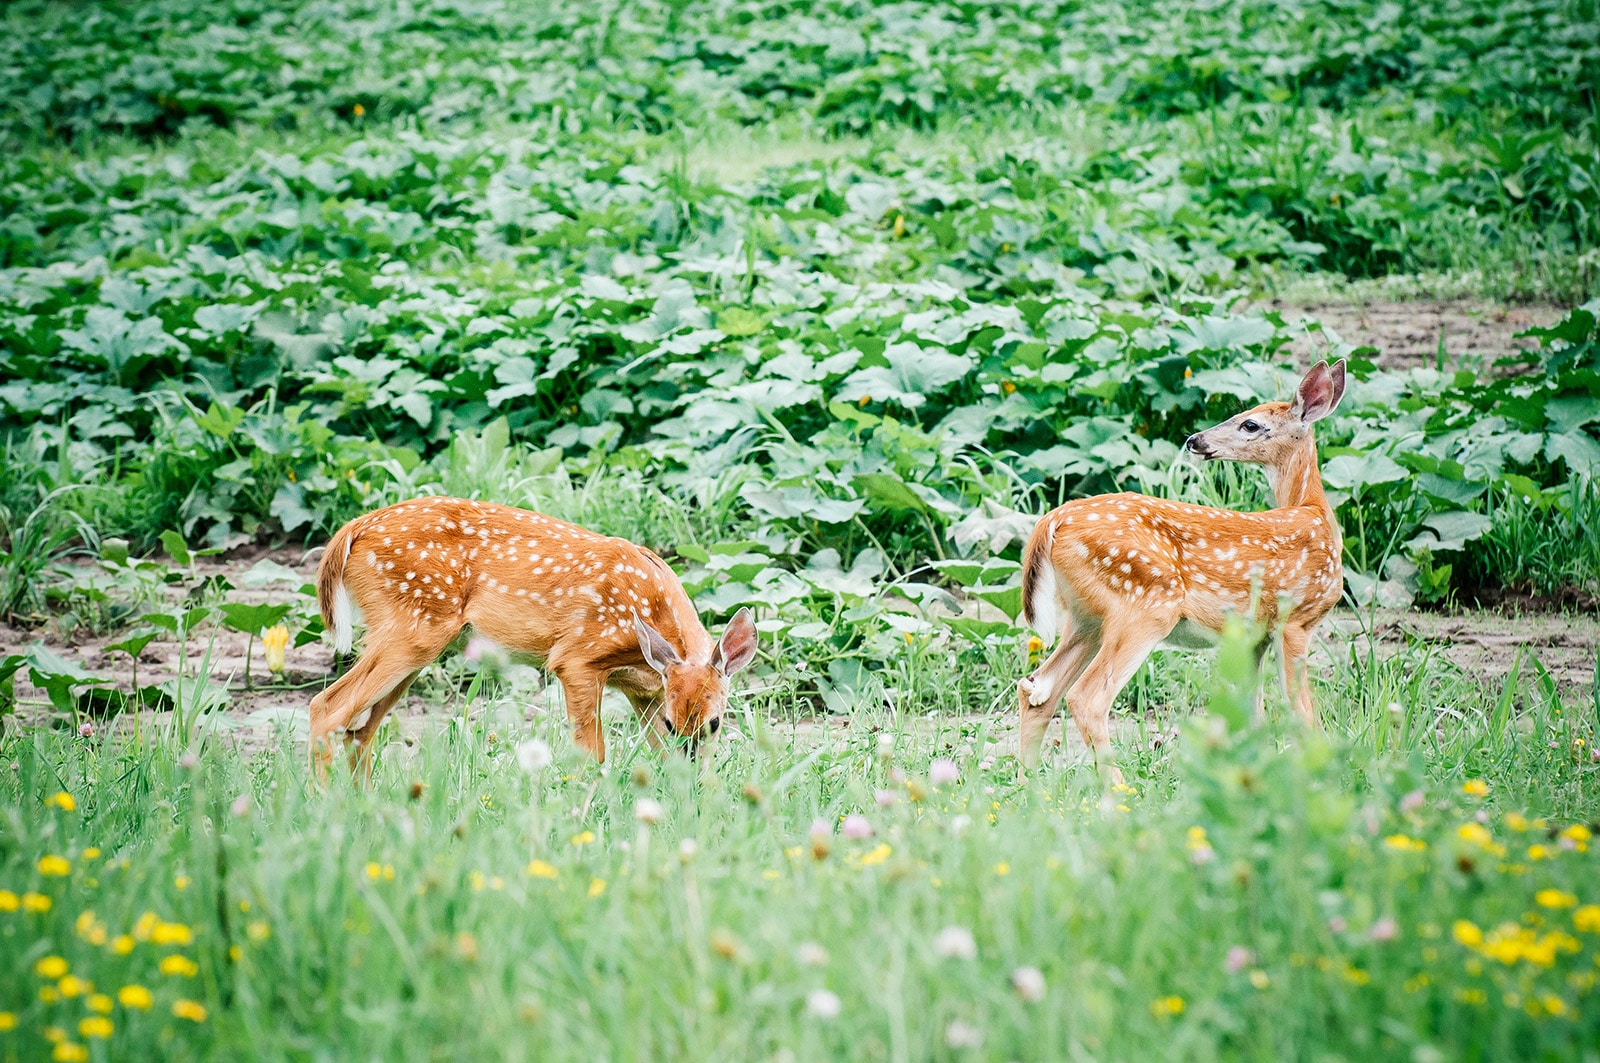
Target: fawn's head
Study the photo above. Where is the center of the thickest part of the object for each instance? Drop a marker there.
(1268, 434)
(694, 693)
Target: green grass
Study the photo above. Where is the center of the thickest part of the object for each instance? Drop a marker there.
(1255, 893)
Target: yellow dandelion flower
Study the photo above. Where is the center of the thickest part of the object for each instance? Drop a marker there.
(178, 964)
(1002, 868)
(1259, 979)
(1467, 933)
(101, 1003)
(135, 996)
(583, 838)
(1555, 899)
(35, 902)
(358, 110)
(171, 934)
(1162, 1007)
(49, 994)
(73, 986)
(63, 800)
(1196, 838)
(876, 855)
(122, 944)
(189, 1009)
(258, 930)
(182, 882)
(54, 866)
(51, 967)
(95, 1026)
(597, 886)
(1404, 844)
(374, 871)
(1474, 787)
(53, 1034)
(1538, 852)
(92, 853)
(144, 925)
(1586, 920)
(1516, 821)
(275, 640)
(540, 869)
(69, 1052)
(8, 1021)
(9, 902)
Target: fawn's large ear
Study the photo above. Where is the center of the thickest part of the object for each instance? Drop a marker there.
(658, 652)
(1319, 392)
(737, 647)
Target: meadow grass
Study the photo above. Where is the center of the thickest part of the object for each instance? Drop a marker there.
(1418, 885)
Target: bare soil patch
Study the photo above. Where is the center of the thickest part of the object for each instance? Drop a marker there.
(1474, 334)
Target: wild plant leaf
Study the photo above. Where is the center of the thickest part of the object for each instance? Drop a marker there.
(252, 619)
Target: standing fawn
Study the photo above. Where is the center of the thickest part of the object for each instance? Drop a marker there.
(596, 610)
(1118, 575)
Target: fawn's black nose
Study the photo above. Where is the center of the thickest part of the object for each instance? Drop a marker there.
(1195, 445)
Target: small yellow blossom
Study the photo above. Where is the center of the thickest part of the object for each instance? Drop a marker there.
(95, 1026)
(50, 994)
(73, 986)
(182, 882)
(1259, 979)
(275, 640)
(63, 800)
(540, 869)
(876, 855)
(583, 838)
(1002, 868)
(1475, 787)
(144, 925)
(35, 902)
(1555, 899)
(1467, 933)
(1405, 844)
(9, 902)
(597, 886)
(1196, 838)
(189, 1009)
(92, 853)
(69, 1052)
(178, 964)
(258, 930)
(122, 944)
(1538, 852)
(135, 996)
(1587, 919)
(171, 934)
(1579, 836)
(54, 866)
(51, 967)
(101, 1003)
(8, 1021)
(1162, 1007)
(358, 110)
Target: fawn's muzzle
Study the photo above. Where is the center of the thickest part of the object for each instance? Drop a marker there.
(1197, 446)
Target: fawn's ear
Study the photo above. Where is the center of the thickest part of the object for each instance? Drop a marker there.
(737, 647)
(658, 652)
(1319, 392)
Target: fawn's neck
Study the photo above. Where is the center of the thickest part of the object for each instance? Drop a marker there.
(1297, 481)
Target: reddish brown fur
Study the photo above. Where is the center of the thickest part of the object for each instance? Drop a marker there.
(420, 571)
(1116, 575)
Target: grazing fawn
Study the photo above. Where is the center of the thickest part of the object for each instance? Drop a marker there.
(598, 611)
(1117, 575)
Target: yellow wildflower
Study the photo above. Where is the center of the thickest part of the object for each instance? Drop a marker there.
(358, 110)
(1579, 836)
(178, 964)
(540, 869)
(275, 640)
(63, 800)
(8, 1021)
(135, 996)
(1516, 821)
(95, 1026)
(182, 882)
(35, 902)
(51, 967)
(1538, 852)
(171, 934)
(1197, 838)
(258, 930)
(1002, 868)
(189, 1009)
(122, 944)
(144, 925)
(583, 838)
(69, 1052)
(1474, 787)
(54, 866)
(1405, 844)
(101, 1003)
(73, 986)
(1467, 933)
(9, 902)
(1162, 1007)
(597, 886)
(1555, 899)
(877, 855)
(1587, 919)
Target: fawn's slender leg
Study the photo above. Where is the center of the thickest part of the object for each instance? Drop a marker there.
(1123, 648)
(1296, 683)
(582, 687)
(1261, 687)
(1039, 694)
(386, 665)
(361, 756)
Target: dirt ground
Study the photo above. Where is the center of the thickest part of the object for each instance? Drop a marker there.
(1475, 334)
(1484, 643)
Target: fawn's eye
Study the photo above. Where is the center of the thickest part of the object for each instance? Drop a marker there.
(716, 724)
(1251, 426)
